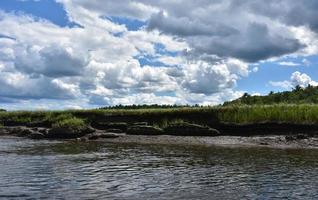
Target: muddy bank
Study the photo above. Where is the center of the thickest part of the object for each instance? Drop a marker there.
(229, 141)
(281, 135)
(266, 128)
(113, 135)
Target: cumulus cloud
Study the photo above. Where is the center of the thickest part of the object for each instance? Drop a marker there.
(208, 79)
(51, 61)
(184, 26)
(297, 78)
(302, 79)
(203, 48)
(21, 86)
(289, 64)
(252, 45)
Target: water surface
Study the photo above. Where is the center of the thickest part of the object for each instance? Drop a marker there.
(97, 170)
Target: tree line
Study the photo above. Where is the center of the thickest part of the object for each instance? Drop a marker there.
(297, 95)
(147, 106)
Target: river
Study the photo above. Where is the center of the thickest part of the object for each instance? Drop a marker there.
(98, 170)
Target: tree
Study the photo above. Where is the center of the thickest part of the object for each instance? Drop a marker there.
(297, 88)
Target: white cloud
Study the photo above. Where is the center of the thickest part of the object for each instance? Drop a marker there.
(204, 50)
(302, 79)
(306, 62)
(291, 64)
(281, 84)
(208, 79)
(297, 78)
(255, 69)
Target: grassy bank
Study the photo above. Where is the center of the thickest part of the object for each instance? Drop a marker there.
(289, 113)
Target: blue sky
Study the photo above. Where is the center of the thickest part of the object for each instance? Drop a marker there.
(46, 9)
(258, 83)
(84, 54)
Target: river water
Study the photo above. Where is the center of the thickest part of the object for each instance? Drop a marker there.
(97, 170)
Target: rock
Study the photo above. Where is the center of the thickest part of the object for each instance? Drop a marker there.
(113, 130)
(4, 131)
(19, 131)
(36, 136)
(82, 139)
(144, 130)
(14, 130)
(25, 132)
(44, 131)
(109, 135)
(187, 129)
(95, 136)
(111, 125)
(289, 138)
(141, 124)
(65, 133)
(301, 137)
(89, 130)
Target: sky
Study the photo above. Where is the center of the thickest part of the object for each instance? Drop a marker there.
(74, 54)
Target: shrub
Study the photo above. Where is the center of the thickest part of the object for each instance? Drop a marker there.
(70, 122)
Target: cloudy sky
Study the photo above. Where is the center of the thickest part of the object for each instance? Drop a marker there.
(61, 54)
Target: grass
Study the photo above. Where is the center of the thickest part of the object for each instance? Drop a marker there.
(70, 122)
(290, 113)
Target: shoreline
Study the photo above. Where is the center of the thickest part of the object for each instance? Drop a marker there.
(271, 135)
(261, 141)
(274, 141)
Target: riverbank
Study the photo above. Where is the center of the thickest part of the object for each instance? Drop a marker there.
(276, 142)
(275, 125)
(269, 141)
(226, 141)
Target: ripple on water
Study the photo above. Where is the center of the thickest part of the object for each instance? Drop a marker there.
(97, 170)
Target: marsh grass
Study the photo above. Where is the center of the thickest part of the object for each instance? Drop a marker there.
(70, 122)
(289, 113)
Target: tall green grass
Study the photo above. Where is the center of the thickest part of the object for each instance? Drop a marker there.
(289, 113)
(70, 122)
(292, 113)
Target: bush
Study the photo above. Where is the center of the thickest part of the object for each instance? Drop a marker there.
(70, 122)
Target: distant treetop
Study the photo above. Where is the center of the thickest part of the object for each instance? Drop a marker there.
(145, 106)
(298, 95)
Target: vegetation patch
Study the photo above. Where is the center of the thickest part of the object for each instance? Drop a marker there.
(67, 126)
(71, 122)
(299, 95)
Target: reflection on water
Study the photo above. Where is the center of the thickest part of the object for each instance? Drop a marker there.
(42, 169)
